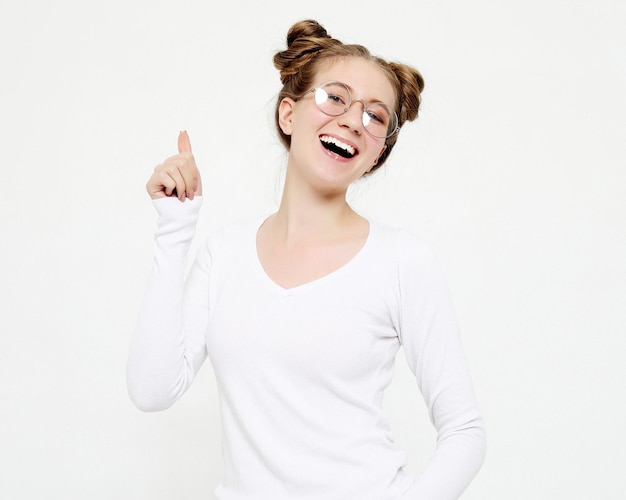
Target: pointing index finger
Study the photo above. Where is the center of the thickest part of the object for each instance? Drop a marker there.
(184, 145)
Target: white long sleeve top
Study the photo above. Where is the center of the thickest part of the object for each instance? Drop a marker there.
(301, 371)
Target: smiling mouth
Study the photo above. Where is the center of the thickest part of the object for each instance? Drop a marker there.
(339, 148)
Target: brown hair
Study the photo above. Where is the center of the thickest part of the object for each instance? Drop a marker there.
(309, 44)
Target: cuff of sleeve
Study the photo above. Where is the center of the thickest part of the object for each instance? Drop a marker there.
(177, 219)
(172, 207)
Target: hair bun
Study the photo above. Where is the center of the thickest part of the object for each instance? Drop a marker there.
(306, 29)
(304, 40)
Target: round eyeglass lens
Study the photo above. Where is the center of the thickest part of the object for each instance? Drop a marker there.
(334, 99)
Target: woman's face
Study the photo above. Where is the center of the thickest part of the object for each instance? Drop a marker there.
(335, 150)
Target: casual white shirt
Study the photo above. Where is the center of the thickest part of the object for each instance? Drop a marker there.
(301, 372)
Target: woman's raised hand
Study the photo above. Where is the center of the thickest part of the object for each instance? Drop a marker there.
(178, 175)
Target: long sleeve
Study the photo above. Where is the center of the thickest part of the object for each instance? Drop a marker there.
(428, 331)
(168, 345)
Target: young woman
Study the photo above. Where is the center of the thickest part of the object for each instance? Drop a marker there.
(302, 313)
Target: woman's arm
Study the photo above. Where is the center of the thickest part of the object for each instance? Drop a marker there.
(428, 331)
(168, 346)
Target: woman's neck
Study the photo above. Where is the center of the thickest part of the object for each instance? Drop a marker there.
(305, 213)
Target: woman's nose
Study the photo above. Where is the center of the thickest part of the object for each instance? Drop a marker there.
(353, 118)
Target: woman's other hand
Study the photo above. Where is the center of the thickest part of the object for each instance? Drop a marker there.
(178, 175)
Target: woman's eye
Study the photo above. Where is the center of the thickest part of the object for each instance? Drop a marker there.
(337, 99)
(378, 119)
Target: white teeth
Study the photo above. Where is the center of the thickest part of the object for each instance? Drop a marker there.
(337, 142)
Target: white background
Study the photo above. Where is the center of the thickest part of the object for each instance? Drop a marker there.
(515, 174)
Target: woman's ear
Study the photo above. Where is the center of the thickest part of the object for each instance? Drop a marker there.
(285, 115)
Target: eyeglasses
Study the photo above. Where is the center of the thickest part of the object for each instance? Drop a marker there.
(334, 99)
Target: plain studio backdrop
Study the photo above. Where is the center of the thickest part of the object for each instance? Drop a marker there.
(514, 174)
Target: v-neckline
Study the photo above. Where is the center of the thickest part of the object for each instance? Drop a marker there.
(302, 287)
